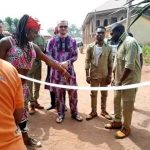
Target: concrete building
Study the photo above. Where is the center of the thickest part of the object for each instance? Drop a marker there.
(110, 12)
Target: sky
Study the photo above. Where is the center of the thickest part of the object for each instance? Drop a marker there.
(49, 12)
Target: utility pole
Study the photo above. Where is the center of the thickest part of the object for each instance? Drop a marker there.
(128, 15)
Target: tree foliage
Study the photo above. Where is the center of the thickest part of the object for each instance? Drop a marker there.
(11, 24)
(73, 30)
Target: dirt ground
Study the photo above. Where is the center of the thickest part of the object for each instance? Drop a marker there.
(90, 135)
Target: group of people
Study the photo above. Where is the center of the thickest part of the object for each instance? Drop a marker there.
(126, 69)
(60, 55)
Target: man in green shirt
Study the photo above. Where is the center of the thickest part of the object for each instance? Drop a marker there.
(127, 70)
(35, 73)
(98, 66)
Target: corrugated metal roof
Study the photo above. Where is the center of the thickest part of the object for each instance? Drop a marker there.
(111, 4)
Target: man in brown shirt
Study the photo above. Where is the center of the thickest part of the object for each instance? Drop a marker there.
(127, 70)
(98, 66)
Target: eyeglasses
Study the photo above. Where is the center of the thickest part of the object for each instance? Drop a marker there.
(63, 27)
(100, 32)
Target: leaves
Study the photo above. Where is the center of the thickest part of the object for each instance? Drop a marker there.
(11, 24)
(73, 30)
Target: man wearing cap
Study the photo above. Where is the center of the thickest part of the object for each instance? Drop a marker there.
(98, 66)
(35, 73)
(63, 49)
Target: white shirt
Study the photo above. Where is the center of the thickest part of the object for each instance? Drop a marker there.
(96, 53)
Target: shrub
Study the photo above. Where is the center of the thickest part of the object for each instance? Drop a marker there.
(146, 54)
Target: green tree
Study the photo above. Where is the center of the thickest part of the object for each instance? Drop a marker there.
(51, 31)
(74, 31)
(15, 23)
(9, 24)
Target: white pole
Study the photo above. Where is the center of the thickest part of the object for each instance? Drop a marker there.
(128, 14)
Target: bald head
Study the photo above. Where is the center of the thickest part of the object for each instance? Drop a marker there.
(118, 27)
(116, 31)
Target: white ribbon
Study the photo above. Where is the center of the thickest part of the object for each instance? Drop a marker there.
(131, 86)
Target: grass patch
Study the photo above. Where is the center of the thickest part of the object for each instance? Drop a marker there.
(146, 54)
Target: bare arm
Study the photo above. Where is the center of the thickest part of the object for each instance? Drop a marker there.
(125, 74)
(18, 115)
(110, 62)
(88, 64)
(19, 100)
(141, 60)
(49, 61)
(74, 54)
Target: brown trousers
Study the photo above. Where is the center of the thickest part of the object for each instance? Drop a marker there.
(97, 83)
(123, 105)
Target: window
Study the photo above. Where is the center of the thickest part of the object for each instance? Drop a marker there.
(105, 22)
(113, 20)
(97, 23)
(121, 18)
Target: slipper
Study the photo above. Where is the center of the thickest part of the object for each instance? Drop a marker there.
(59, 119)
(77, 118)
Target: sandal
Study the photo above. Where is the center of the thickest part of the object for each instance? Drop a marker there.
(60, 119)
(106, 115)
(38, 106)
(33, 142)
(77, 118)
(91, 116)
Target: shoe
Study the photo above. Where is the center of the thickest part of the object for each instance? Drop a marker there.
(60, 119)
(91, 116)
(38, 106)
(114, 125)
(106, 115)
(122, 133)
(77, 117)
(32, 110)
(50, 107)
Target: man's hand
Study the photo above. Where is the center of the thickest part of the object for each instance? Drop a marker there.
(67, 75)
(64, 64)
(113, 82)
(88, 79)
(119, 83)
(108, 80)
